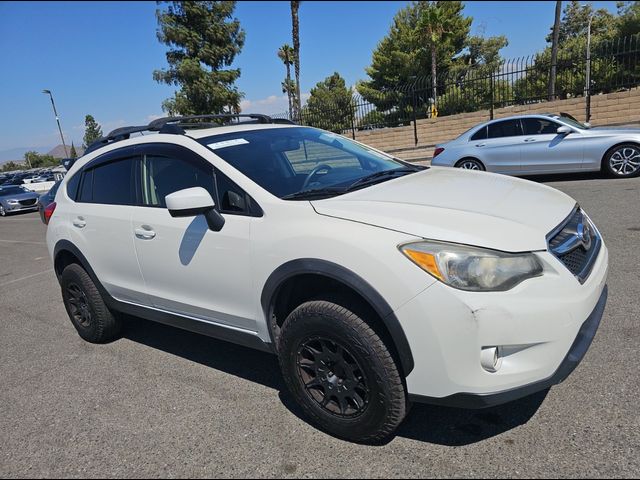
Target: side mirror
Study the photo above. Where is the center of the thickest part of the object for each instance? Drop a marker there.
(564, 130)
(191, 202)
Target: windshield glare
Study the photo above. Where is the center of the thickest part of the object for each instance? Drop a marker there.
(286, 161)
(12, 191)
(573, 122)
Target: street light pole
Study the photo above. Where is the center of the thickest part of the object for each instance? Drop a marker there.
(55, 112)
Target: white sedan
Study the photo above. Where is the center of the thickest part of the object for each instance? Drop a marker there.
(543, 144)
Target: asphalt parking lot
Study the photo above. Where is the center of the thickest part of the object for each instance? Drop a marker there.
(163, 402)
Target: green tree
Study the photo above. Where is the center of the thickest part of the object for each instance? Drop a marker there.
(11, 166)
(571, 63)
(92, 131)
(473, 84)
(35, 160)
(406, 52)
(285, 53)
(629, 18)
(203, 39)
(439, 24)
(330, 105)
(73, 153)
(295, 35)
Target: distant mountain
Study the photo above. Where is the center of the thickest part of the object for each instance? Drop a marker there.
(58, 152)
(17, 154)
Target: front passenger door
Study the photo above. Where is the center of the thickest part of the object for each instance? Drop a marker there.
(188, 269)
(543, 150)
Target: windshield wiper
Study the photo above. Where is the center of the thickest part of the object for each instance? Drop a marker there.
(378, 176)
(314, 193)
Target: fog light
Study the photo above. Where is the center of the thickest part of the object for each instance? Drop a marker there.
(490, 359)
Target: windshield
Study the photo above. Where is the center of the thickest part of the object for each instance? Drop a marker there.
(12, 191)
(569, 120)
(291, 162)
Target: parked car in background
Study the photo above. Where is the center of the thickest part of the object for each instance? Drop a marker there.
(16, 198)
(47, 199)
(543, 144)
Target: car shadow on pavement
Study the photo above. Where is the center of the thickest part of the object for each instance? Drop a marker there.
(568, 177)
(426, 423)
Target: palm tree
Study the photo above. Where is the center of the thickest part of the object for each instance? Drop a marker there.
(295, 5)
(433, 27)
(285, 53)
(554, 50)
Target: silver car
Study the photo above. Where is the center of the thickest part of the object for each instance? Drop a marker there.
(15, 198)
(542, 144)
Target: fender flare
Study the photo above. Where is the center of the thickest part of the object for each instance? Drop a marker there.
(359, 285)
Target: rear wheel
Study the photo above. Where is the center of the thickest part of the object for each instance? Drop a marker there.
(470, 164)
(341, 373)
(623, 161)
(89, 314)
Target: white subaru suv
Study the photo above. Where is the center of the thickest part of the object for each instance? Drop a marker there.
(376, 283)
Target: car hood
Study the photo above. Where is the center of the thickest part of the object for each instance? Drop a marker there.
(613, 131)
(473, 208)
(19, 196)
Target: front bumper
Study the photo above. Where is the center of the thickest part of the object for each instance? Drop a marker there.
(573, 358)
(20, 208)
(539, 327)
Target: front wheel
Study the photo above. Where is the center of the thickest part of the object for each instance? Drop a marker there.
(470, 164)
(3, 212)
(341, 372)
(623, 161)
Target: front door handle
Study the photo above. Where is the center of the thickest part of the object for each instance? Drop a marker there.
(145, 232)
(529, 139)
(480, 144)
(79, 222)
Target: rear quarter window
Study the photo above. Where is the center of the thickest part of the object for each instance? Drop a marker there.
(480, 134)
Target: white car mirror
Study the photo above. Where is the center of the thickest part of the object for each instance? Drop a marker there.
(191, 202)
(564, 130)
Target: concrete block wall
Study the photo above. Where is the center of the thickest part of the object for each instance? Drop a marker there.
(620, 108)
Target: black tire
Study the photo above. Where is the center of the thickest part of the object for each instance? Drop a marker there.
(622, 161)
(378, 403)
(89, 314)
(470, 164)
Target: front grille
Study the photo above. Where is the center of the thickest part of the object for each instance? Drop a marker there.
(576, 243)
(26, 203)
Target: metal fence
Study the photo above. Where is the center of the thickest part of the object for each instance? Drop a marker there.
(613, 66)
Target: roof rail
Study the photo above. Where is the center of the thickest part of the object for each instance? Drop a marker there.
(161, 122)
(177, 126)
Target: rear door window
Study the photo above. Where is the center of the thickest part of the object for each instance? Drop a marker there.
(506, 128)
(113, 183)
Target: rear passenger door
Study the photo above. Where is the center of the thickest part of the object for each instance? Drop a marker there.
(100, 223)
(188, 269)
(498, 146)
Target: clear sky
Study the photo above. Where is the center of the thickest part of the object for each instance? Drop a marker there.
(98, 57)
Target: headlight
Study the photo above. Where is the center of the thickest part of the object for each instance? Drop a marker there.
(471, 268)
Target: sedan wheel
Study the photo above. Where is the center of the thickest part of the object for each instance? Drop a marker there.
(470, 164)
(3, 212)
(624, 161)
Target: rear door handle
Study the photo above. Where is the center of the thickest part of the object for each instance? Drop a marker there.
(145, 232)
(529, 139)
(79, 222)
